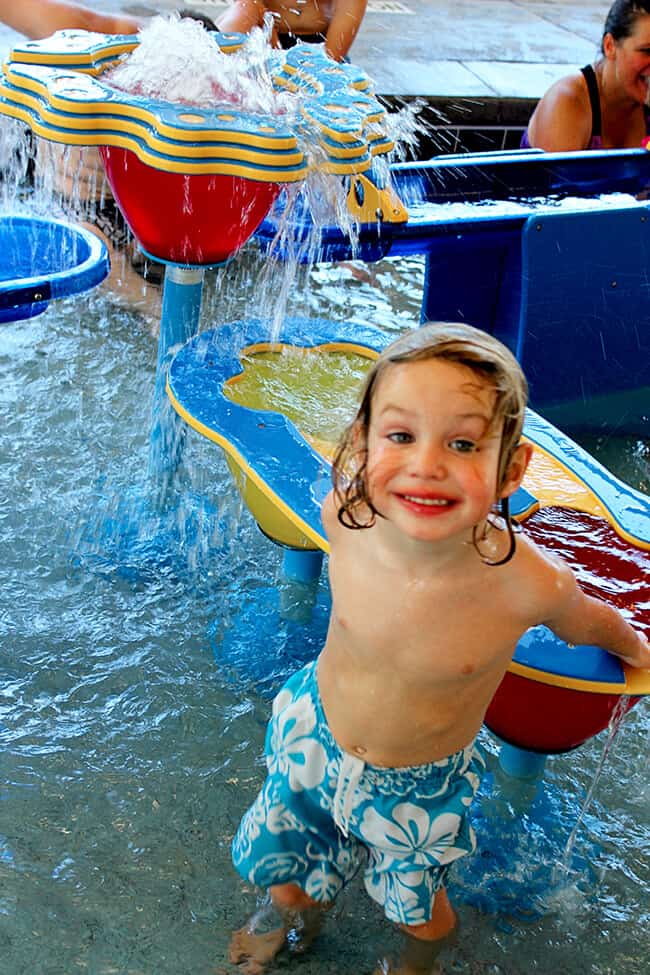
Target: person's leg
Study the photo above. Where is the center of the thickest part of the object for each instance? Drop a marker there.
(423, 942)
(242, 16)
(289, 917)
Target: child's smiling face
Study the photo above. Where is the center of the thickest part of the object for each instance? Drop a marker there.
(433, 449)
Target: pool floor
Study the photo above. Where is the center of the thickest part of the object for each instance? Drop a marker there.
(131, 742)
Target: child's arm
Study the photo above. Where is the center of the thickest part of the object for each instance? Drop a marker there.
(580, 619)
(344, 25)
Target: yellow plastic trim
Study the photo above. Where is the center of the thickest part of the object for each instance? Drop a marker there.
(83, 61)
(185, 167)
(266, 512)
(122, 117)
(265, 492)
(378, 204)
(637, 682)
(252, 154)
(121, 138)
(345, 346)
(144, 134)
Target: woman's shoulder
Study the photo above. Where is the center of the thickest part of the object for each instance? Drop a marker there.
(569, 91)
(562, 120)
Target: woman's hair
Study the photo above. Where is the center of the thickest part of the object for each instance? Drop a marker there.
(622, 16)
(452, 342)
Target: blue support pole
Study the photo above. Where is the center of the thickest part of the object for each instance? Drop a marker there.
(302, 564)
(519, 763)
(299, 587)
(181, 309)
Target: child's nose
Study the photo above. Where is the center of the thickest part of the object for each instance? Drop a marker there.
(430, 461)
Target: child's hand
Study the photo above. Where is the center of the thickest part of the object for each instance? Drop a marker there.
(640, 657)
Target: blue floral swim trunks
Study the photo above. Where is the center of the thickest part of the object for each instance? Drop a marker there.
(322, 811)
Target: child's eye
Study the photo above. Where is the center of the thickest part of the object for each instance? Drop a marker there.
(400, 436)
(463, 446)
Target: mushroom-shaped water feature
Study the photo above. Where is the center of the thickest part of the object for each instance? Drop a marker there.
(193, 182)
(278, 438)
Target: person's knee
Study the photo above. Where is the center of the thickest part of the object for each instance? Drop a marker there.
(290, 897)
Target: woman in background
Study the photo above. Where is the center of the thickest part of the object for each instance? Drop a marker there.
(605, 104)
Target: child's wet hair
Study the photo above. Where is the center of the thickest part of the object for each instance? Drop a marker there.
(451, 342)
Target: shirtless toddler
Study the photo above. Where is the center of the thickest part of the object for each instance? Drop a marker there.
(371, 750)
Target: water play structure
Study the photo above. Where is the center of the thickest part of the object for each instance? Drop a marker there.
(520, 244)
(218, 170)
(495, 268)
(42, 260)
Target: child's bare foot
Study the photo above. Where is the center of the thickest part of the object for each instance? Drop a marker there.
(253, 951)
(268, 932)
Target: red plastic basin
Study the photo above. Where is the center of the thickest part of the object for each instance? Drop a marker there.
(187, 219)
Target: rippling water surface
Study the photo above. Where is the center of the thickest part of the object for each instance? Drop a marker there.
(130, 746)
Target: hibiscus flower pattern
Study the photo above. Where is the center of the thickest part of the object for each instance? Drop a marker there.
(406, 826)
(295, 753)
(412, 835)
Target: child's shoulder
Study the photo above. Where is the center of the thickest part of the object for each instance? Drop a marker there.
(540, 578)
(329, 514)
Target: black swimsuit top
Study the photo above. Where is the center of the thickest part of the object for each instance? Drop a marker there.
(596, 141)
(589, 75)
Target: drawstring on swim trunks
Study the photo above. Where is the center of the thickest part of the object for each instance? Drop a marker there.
(350, 772)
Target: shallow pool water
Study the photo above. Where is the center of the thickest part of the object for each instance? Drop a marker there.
(132, 729)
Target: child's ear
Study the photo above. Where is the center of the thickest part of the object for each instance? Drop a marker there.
(516, 469)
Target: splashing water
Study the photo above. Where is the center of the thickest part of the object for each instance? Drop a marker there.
(179, 61)
(618, 716)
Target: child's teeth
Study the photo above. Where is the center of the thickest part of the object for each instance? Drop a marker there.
(431, 501)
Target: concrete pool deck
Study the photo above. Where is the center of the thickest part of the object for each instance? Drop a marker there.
(477, 63)
(453, 48)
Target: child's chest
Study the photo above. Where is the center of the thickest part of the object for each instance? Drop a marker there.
(443, 625)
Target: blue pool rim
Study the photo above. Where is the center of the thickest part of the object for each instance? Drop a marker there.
(24, 295)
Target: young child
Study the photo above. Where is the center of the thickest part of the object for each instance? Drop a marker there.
(371, 749)
(336, 22)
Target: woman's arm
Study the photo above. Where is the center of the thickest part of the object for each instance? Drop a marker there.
(242, 16)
